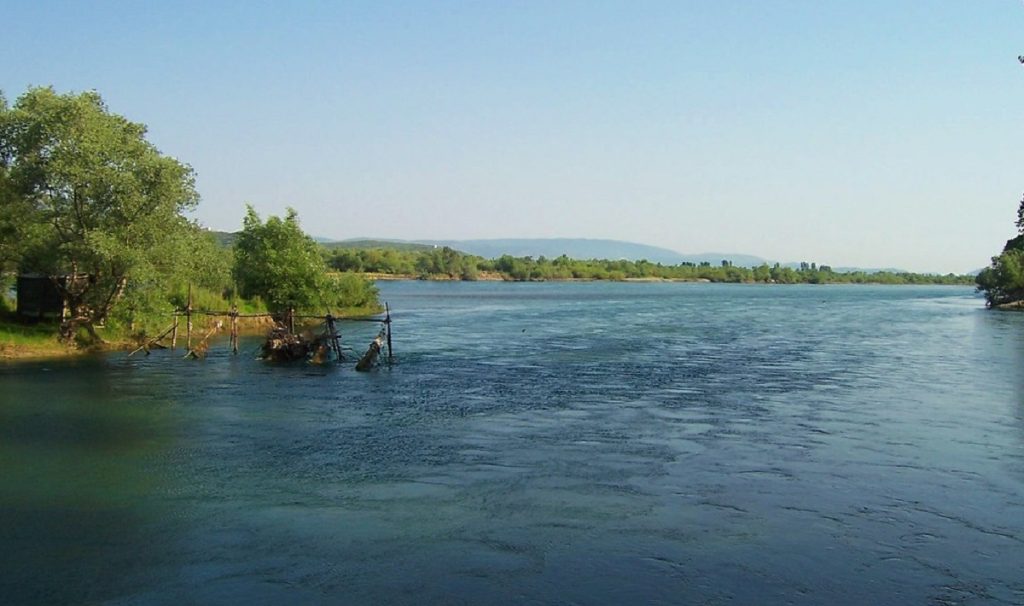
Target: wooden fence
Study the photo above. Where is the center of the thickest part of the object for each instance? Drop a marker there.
(333, 338)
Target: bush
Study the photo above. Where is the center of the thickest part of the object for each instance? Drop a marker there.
(1003, 281)
(353, 291)
(8, 303)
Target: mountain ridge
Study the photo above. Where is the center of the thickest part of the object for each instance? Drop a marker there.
(576, 248)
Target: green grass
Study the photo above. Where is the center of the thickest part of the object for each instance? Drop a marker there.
(27, 340)
(35, 340)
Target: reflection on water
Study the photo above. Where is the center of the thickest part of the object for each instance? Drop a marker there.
(76, 498)
(540, 443)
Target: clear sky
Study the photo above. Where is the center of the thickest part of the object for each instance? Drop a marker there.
(868, 133)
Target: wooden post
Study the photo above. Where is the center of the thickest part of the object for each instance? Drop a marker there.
(154, 341)
(387, 319)
(199, 351)
(234, 329)
(332, 332)
(188, 320)
(369, 358)
(174, 332)
(291, 320)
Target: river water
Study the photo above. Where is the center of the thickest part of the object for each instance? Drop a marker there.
(590, 443)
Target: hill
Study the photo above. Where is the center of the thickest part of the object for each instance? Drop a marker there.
(586, 248)
(574, 248)
(364, 243)
(224, 238)
(227, 240)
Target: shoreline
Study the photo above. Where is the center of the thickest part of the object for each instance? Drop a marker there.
(50, 348)
(376, 277)
(492, 277)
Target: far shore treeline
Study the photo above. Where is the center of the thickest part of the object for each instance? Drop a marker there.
(444, 263)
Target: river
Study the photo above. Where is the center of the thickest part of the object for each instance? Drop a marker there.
(562, 443)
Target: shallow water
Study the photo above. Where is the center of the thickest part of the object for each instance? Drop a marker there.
(540, 443)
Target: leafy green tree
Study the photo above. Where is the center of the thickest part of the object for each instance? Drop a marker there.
(276, 261)
(1003, 280)
(348, 260)
(348, 291)
(191, 258)
(86, 196)
(1020, 217)
(279, 263)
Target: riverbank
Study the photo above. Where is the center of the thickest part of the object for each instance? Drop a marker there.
(41, 341)
(497, 277)
(1011, 306)
(28, 341)
(866, 279)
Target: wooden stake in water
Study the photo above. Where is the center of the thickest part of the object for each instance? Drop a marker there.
(387, 319)
(335, 338)
(234, 329)
(188, 320)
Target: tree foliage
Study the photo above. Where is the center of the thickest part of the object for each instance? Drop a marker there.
(1003, 280)
(84, 195)
(448, 264)
(1020, 217)
(277, 262)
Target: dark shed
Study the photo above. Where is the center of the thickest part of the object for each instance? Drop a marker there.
(38, 297)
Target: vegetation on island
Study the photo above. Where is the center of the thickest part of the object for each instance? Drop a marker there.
(1002, 282)
(88, 201)
(447, 264)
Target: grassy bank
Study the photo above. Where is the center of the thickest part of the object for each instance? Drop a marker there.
(31, 341)
(20, 340)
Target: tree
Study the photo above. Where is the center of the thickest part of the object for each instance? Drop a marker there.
(279, 263)
(1020, 217)
(90, 201)
(1003, 280)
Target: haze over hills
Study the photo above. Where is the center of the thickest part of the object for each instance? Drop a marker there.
(587, 248)
(576, 248)
(591, 248)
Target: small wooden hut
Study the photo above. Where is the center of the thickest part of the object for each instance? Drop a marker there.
(39, 297)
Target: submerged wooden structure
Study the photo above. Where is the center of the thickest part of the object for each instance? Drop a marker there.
(283, 342)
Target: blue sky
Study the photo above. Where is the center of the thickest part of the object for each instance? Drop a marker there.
(862, 133)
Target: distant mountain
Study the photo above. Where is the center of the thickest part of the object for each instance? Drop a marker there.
(717, 258)
(227, 240)
(361, 243)
(585, 248)
(224, 238)
(867, 270)
(575, 248)
(552, 248)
